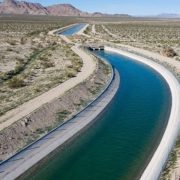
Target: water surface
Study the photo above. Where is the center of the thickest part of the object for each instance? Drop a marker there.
(73, 30)
(119, 144)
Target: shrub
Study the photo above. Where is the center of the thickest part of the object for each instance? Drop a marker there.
(169, 52)
(12, 42)
(16, 82)
(71, 74)
(9, 49)
(47, 64)
(20, 60)
(23, 41)
(62, 115)
(18, 68)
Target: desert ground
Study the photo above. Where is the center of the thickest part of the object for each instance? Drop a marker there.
(35, 64)
(155, 36)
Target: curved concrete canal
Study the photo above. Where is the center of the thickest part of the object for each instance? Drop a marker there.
(72, 30)
(122, 140)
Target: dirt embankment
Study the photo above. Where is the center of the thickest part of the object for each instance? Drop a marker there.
(52, 114)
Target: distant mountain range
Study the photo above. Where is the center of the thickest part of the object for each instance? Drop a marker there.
(28, 8)
(22, 7)
(166, 15)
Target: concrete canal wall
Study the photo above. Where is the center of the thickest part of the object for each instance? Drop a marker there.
(31, 155)
(159, 158)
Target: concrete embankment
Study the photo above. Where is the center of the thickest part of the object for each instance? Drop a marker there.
(81, 32)
(159, 158)
(25, 159)
(51, 114)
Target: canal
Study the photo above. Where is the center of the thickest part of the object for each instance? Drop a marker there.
(72, 30)
(120, 142)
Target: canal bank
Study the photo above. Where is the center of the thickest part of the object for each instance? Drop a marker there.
(53, 105)
(25, 159)
(158, 160)
(55, 31)
(119, 142)
(70, 31)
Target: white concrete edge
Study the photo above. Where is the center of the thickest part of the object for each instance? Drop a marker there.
(81, 32)
(159, 158)
(65, 39)
(94, 29)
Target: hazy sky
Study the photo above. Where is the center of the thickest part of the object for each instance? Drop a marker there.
(134, 7)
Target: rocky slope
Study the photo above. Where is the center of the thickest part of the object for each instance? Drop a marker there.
(23, 7)
(65, 10)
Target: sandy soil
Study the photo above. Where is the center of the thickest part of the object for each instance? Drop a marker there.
(108, 32)
(65, 39)
(40, 61)
(12, 116)
(175, 175)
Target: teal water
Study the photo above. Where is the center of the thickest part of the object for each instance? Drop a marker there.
(73, 30)
(120, 142)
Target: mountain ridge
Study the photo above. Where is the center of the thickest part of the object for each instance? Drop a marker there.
(22, 7)
(29, 8)
(168, 15)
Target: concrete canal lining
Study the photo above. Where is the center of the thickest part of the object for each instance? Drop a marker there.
(159, 158)
(31, 155)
